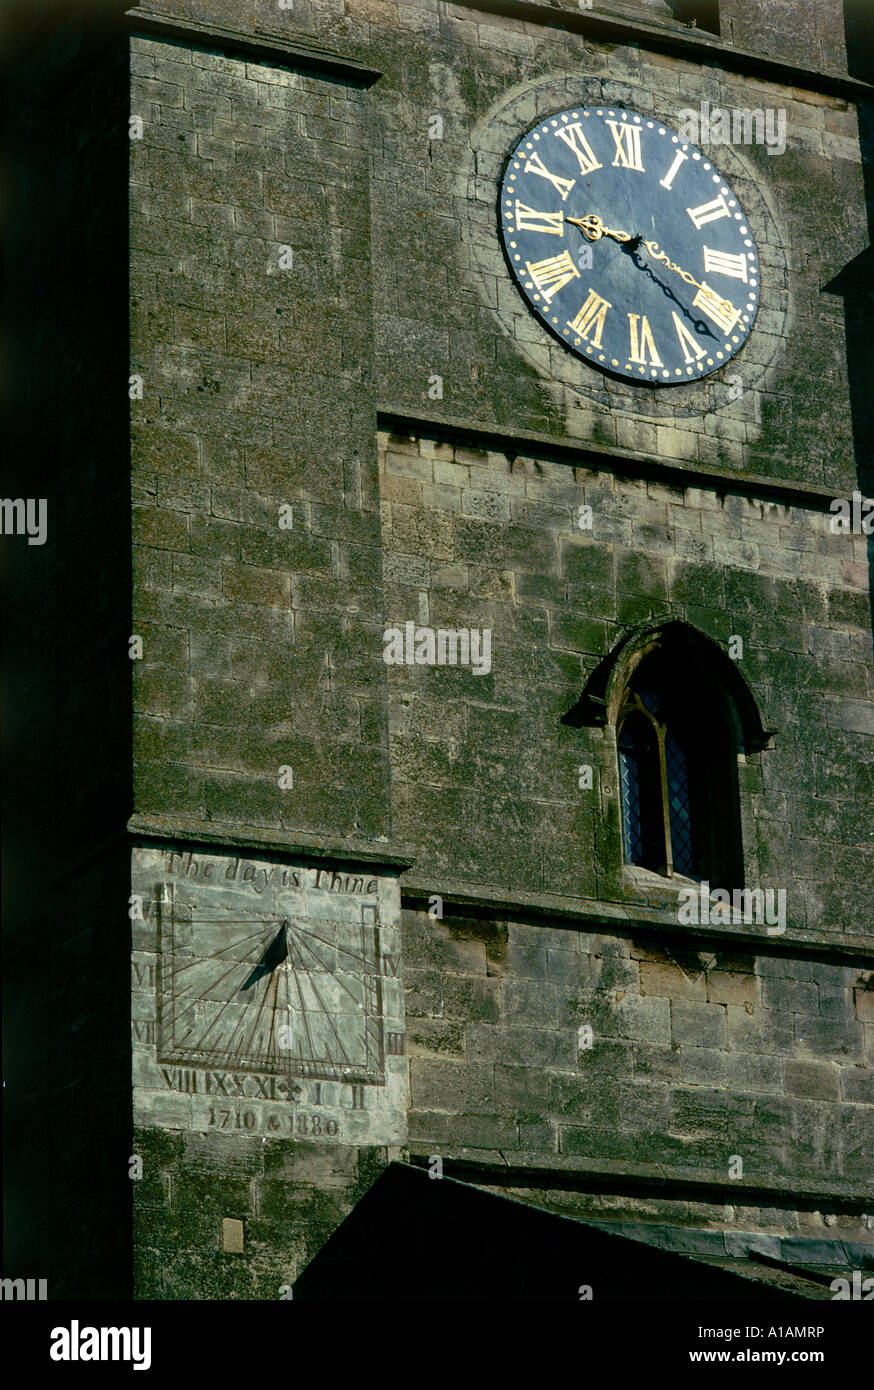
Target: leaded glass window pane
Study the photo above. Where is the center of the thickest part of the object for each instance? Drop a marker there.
(679, 810)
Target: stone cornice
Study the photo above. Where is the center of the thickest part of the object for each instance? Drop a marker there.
(637, 920)
(515, 1168)
(297, 844)
(299, 51)
(586, 454)
(669, 37)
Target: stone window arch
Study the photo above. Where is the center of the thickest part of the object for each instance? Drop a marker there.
(677, 732)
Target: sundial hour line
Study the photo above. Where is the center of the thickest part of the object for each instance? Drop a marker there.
(305, 1016)
(360, 957)
(269, 993)
(258, 937)
(327, 1034)
(192, 987)
(340, 982)
(306, 1012)
(240, 941)
(239, 1027)
(330, 1022)
(205, 960)
(302, 931)
(219, 1016)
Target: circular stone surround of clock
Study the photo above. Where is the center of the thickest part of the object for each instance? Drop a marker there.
(629, 245)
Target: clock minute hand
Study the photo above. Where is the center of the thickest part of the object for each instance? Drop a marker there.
(659, 255)
(710, 302)
(593, 228)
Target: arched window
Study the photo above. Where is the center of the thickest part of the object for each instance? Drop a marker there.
(678, 773)
(656, 811)
(686, 737)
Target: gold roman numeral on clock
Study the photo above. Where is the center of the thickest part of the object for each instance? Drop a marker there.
(709, 212)
(553, 274)
(536, 165)
(723, 263)
(687, 341)
(573, 136)
(530, 220)
(627, 138)
(667, 181)
(591, 317)
(642, 341)
(723, 314)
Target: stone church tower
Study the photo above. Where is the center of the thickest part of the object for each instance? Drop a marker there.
(446, 689)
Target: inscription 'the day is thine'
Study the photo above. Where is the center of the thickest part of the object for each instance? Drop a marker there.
(259, 877)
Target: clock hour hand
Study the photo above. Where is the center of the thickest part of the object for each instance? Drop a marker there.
(275, 954)
(593, 228)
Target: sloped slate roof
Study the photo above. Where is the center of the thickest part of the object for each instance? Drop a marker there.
(412, 1237)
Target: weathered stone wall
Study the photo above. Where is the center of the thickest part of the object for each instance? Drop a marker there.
(258, 395)
(795, 31)
(258, 389)
(287, 1196)
(693, 1057)
(485, 773)
(265, 385)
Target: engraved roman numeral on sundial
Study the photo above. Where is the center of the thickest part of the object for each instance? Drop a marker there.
(553, 274)
(724, 263)
(643, 348)
(530, 220)
(573, 137)
(709, 212)
(535, 165)
(627, 140)
(591, 317)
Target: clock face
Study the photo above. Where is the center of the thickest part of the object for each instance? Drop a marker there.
(271, 994)
(629, 245)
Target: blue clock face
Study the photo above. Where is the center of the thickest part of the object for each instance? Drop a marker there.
(629, 245)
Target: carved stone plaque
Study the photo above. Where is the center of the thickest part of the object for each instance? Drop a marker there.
(264, 982)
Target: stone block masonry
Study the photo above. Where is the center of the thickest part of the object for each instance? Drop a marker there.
(343, 418)
(587, 1050)
(256, 552)
(325, 327)
(486, 773)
